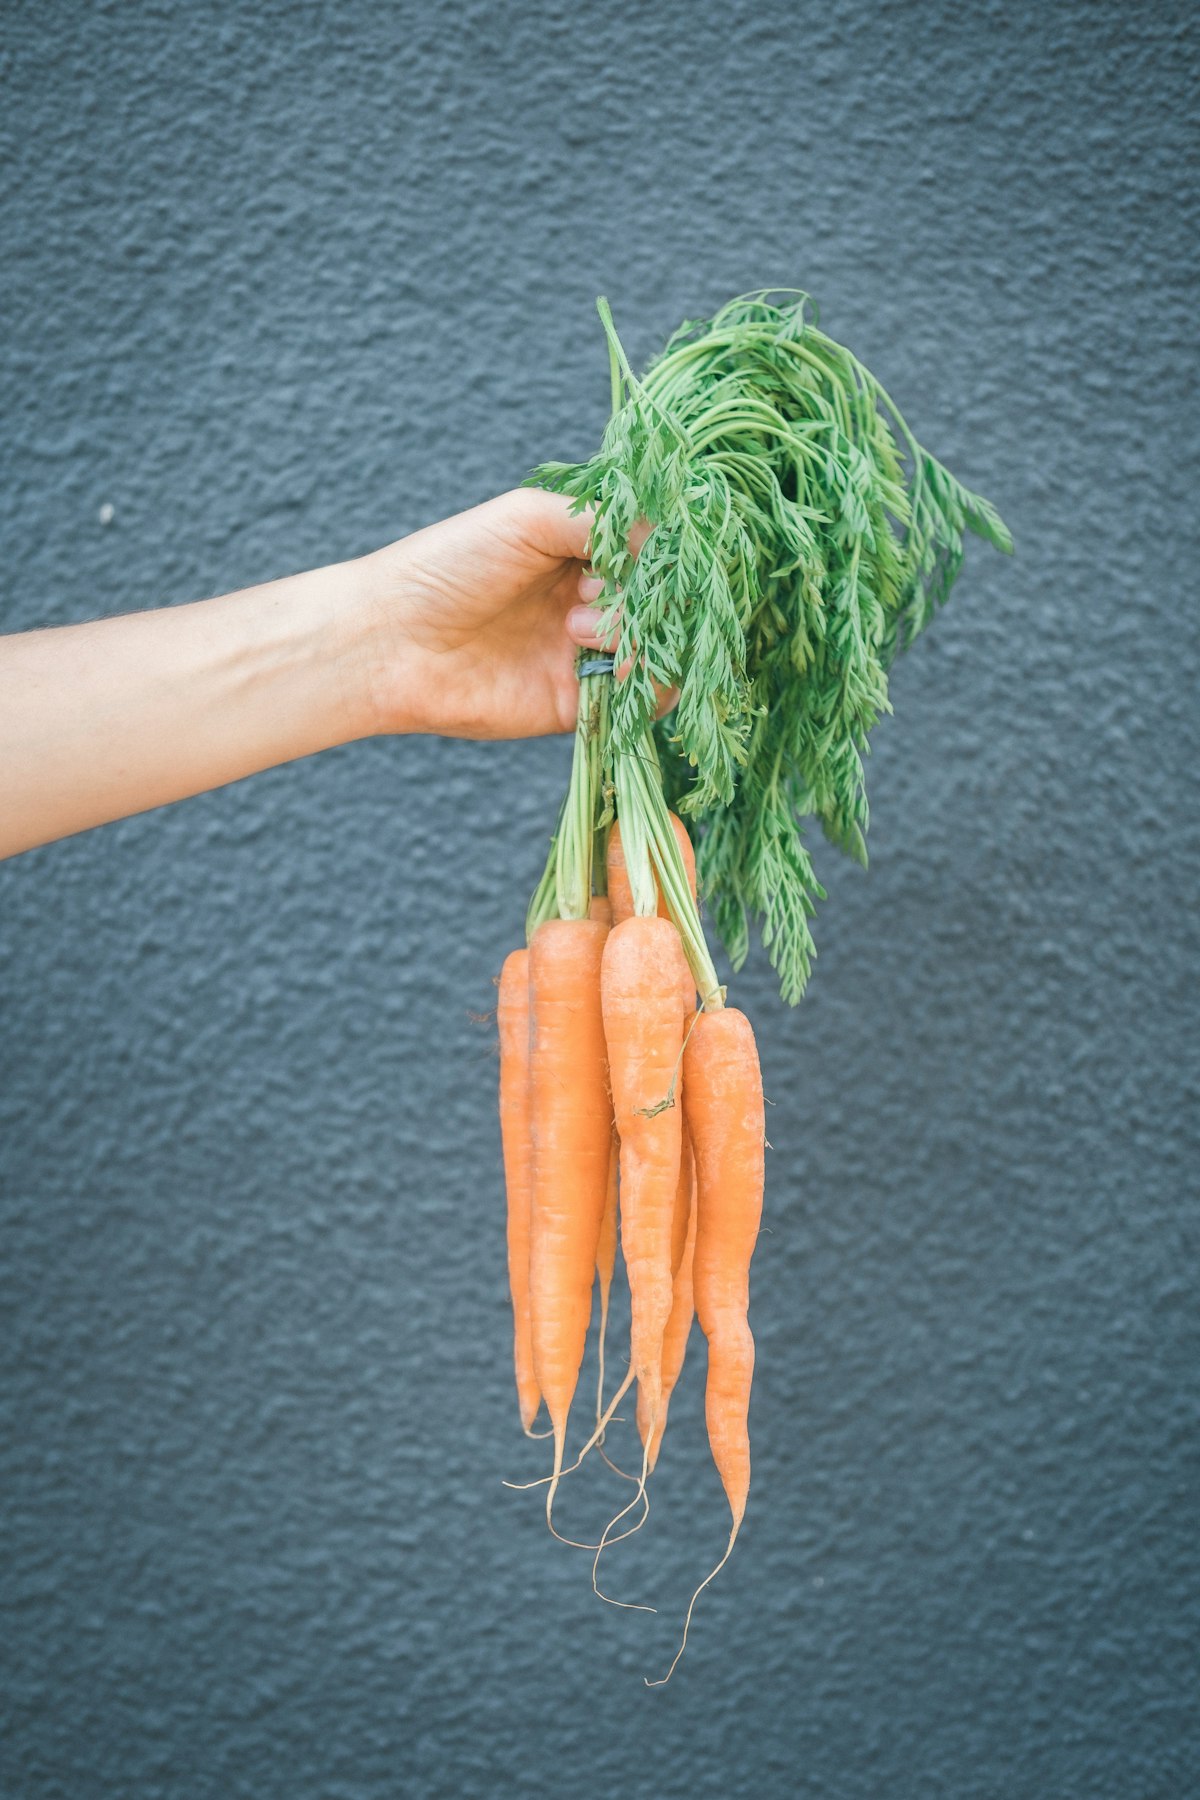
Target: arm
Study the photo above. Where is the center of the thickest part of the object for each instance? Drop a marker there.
(466, 629)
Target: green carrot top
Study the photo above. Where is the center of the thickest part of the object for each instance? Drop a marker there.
(801, 538)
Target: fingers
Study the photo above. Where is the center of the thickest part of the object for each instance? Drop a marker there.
(583, 621)
(556, 530)
(583, 625)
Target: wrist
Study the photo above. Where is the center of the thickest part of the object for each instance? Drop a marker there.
(390, 683)
(366, 644)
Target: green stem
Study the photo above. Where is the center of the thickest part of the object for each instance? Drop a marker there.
(576, 862)
(614, 362)
(618, 361)
(600, 859)
(544, 903)
(599, 759)
(575, 843)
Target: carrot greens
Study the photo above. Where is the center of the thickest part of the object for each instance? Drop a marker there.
(801, 537)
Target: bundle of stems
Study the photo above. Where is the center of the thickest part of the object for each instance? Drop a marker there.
(800, 537)
(607, 782)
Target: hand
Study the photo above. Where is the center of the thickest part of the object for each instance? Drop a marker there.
(467, 629)
(477, 619)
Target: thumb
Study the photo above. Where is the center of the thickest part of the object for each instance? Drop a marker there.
(552, 524)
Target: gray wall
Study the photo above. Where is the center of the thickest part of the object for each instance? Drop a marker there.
(279, 284)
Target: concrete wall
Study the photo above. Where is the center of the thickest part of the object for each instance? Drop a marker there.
(281, 283)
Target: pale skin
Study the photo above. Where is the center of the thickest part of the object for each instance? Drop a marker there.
(468, 628)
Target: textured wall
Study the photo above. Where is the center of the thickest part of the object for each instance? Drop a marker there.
(280, 283)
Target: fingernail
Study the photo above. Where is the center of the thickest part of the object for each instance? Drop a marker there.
(590, 587)
(584, 621)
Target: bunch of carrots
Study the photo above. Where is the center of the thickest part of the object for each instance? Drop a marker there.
(799, 537)
(617, 1093)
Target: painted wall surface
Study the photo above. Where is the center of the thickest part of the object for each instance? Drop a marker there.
(281, 283)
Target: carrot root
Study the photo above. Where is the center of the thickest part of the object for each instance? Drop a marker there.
(576, 1544)
(662, 1680)
(524, 1486)
(606, 1542)
(623, 1473)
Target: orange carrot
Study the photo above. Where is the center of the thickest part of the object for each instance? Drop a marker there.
(606, 1258)
(621, 897)
(724, 1101)
(513, 1017)
(677, 1334)
(643, 1026)
(618, 879)
(600, 907)
(571, 1117)
(622, 903)
(679, 1324)
(681, 1217)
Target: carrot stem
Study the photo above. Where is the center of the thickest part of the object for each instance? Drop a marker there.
(544, 900)
(575, 847)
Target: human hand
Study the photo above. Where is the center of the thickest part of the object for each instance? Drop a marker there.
(473, 629)
(468, 629)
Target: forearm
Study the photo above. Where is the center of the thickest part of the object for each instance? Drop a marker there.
(102, 720)
(463, 630)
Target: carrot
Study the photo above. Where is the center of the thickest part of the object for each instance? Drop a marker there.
(600, 907)
(681, 1217)
(679, 1324)
(513, 1017)
(572, 1137)
(621, 897)
(622, 903)
(724, 1102)
(643, 1027)
(618, 879)
(606, 1258)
